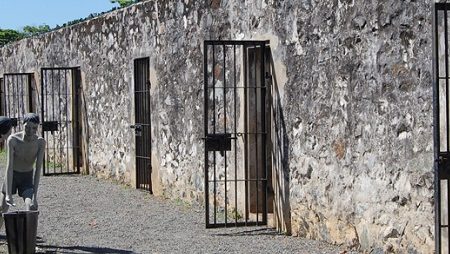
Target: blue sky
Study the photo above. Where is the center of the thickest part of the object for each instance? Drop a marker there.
(15, 14)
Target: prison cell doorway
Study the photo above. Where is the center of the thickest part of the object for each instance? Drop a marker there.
(238, 185)
(61, 120)
(142, 126)
(18, 96)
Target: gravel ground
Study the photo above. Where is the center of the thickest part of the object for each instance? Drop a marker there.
(82, 214)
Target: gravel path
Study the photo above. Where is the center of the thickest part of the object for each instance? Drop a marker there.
(82, 214)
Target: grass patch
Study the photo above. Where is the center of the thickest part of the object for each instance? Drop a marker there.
(51, 164)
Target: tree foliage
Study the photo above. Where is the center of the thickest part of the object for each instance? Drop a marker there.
(9, 35)
(35, 30)
(124, 3)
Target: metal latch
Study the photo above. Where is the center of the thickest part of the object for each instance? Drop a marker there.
(137, 129)
(218, 142)
(13, 121)
(50, 126)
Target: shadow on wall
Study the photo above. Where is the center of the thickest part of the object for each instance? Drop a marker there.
(280, 155)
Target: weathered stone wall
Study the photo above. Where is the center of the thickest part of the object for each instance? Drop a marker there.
(352, 106)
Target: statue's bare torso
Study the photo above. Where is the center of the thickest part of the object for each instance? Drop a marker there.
(25, 151)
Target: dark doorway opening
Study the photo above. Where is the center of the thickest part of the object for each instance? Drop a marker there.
(238, 180)
(61, 120)
(142, 126)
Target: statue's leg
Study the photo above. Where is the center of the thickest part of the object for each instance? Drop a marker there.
(27, 196)
(4, 207)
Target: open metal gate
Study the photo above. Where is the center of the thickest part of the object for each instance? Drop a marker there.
(17, 96)
(142, 125)
(60, 116)
(237, 174)
(441, 123)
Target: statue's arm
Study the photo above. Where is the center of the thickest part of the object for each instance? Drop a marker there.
(39, 162)
(9, 166)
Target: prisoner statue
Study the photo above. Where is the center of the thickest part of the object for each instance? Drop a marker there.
(24, 149)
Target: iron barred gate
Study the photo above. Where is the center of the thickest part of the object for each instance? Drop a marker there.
(60, 117)
(142, 126)
(237, 177)
(17, 96)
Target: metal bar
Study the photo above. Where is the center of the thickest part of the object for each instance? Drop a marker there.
(263, 123)
(16, 73)
(19, 96)
(447, 113)
(15, 101)
(61, 132)
(245, 133)
(214, 131)
(30, 93)
(68, 132)
(239, 224)
(44, 166)
(58, 68)
(242, 180)
(205, 128)
(8, 104)
(75, 122)
(23, 95)
(235, 140)
(139, 108)
(136, 112)
(53, 117)
(144, 129)
(149, 120)
(225, 126)
(232, 87)
(255, 67)
(229, 42)
(2, 101)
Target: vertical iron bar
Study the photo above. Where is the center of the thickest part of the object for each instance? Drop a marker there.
(139, 94)
(67, 114)
(255, 68)
(1, 96)
(246, 66)
(16, 99)
(14, 92)
(144, 118)
(205, 127)
(30, 93)
(144, 121)
(225, 127)
(58, 109)
(2, 101)
(263, 91)
(22, 94)
(235, 135)
(7, 95)
(136, 119)
(214, 130)
(53, 118)
(43, 119)
(446, 107)
(20, 97)
(447, 116)
(147, 122)
(136, 110)
(75, 120)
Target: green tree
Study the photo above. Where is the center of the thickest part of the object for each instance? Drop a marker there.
(9, 35)
(124, 3)
(35, 30)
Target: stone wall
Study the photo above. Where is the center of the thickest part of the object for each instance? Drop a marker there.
(352, 107)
